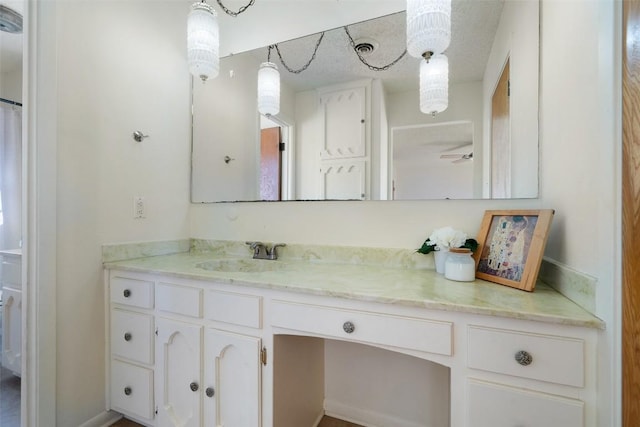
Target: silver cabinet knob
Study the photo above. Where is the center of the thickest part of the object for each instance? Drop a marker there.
(126, 293)
(127, 336)
(210, 392)
(348, 327)
(194, 386)
(524, 358)
(127, 391)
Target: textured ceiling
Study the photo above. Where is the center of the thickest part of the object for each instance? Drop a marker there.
(473, 27)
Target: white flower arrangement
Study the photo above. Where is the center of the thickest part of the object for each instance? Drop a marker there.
(445, 238)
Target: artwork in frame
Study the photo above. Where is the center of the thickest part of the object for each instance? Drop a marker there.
(510, 246)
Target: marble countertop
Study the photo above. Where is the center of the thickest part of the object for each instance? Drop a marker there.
(380, 282)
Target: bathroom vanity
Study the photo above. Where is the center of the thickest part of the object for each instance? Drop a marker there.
(11, 285)
(208, 338)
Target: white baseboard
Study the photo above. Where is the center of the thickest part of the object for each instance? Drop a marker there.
(318, 419)
(104, 419)
(364, 417)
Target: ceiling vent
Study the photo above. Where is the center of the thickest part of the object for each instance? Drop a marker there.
(365, 46)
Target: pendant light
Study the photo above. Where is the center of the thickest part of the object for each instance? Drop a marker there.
(203, 41)
(428, 27)
(434, 85)
(268, 88)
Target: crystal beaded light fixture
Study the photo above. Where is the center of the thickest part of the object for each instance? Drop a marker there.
(434, 85)
(203, 41)
(268, 89)
(428, 27)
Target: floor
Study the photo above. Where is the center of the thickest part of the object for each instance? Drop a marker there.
(326, 422)
(9, 393)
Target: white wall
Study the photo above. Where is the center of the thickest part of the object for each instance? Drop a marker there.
(516, 40)
(11, 85)
(117, 73)
(229, 128)
(121, 75)
(580, 153)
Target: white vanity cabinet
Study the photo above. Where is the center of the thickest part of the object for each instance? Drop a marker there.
(131, 346)
(178, 373)
(180, 354)
(206, 363)
(556, 364)
(232, 373)
(12, 311)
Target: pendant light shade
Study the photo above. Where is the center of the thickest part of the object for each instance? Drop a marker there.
(428, 27)
(268, 89)
(203, 41)
(434, 85)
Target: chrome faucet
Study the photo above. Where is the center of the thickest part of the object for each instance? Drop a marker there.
(260, 251)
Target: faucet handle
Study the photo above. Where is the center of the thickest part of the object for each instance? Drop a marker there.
(273, 252)
(256, 246)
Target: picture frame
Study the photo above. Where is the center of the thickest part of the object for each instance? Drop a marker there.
(510, 246)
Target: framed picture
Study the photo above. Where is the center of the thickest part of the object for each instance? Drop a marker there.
(510, 246)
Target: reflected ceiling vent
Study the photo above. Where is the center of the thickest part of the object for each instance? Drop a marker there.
(365, 46)
(10, 20)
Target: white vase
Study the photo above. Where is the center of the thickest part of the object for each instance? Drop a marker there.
(440, 258)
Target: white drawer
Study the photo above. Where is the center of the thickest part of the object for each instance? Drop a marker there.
(554, 359)
(178, 299)
(237, 309)
(132, 335)
(133, 292)
(132, 389)
(405, 332)
(495, 405)
(12, 274)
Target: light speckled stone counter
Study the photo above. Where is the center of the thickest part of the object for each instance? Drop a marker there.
(378, 275)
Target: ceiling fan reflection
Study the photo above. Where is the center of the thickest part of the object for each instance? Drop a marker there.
(459, 158)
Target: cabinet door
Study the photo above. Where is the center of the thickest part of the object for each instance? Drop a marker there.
(232, 380)
(12, 330)
(343, 180)
(178, 369)
(344, 113)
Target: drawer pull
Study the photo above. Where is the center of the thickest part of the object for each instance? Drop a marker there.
(349, 327)
(524, 358)
(126, 293)
(127, 336)
(210, 392)
(127, 391)
(194, 386)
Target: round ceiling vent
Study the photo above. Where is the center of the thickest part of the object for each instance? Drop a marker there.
(10, 20)
(365, 46)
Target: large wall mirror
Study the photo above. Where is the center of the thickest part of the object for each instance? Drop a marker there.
(346, 132)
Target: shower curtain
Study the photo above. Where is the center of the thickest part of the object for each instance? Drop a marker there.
(10, 176)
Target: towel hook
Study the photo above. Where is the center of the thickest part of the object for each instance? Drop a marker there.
(138, 136)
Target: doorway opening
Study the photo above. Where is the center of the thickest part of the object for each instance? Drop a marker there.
(276, 159)
(11, 212)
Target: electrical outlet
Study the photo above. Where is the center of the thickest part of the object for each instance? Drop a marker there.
(139, 208)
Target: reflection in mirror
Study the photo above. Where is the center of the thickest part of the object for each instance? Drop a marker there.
(432, 161)
(344, 127)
